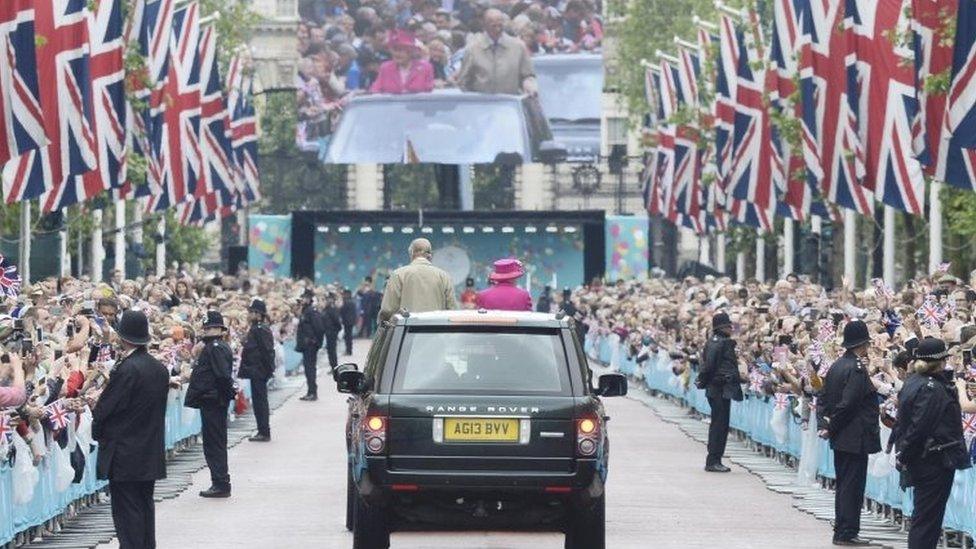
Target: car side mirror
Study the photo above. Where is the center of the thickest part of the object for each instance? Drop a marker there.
(349, 379)
(612, 385)
(551, 152)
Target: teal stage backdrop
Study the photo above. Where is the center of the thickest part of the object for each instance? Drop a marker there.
(627, 250)
(345, 254)
(269, 244)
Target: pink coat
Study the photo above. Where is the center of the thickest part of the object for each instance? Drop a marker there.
(505, 296)
(420, 78)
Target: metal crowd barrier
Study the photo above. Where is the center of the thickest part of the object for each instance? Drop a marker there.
(753, 417)
(182, 424)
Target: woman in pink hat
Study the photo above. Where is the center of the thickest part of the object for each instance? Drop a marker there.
(504, 295)
(404, 73)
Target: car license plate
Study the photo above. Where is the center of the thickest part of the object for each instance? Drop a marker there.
(480, 429)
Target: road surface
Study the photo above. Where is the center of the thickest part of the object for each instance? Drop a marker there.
(291, 493)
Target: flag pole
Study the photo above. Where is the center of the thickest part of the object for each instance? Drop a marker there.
(24, 250)
(684, 43)
(760, 256)
(850, 246)
(97, 249)
(789, 246)
(63, 244)
(935, 226)
(699, 22)
(720, 252)
(161, 245)
(888, 257)
(120, 237)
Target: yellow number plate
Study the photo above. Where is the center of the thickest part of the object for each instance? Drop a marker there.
(480, 429)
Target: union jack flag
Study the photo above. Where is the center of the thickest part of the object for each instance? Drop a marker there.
(829, 111)
(757, 168)
(802, 165)
(215, 194)
(887, 104)
(781, 401)
(65, 100)
(969, 425)
(21, 119)
(687, 176)
(931, 313)
(957, 157)
(9, 279)
(244, 136)
(6, 432)
(826, 330)
(756, 380)
(816, 352)
(933, 54)
(107, 73)
(57, 415)
(179, 132)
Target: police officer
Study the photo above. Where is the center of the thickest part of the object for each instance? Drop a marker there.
(211, 389)
(129, 422)
(258, 365)
(308, 341)
(719, 376)
(848, 417)
(348, 314)
(331, 326)
(929, 441)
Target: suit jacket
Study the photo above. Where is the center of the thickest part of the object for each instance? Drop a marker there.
(130, 419)
(505, 67)
(211, 381)
(504, 296)
(848, 407)
(719, 371)
(257, 354)
(310, 331)
(418, 287)
(348, 313)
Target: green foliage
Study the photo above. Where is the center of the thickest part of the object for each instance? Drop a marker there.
(234, 27)
(959, 208)
(183, 243)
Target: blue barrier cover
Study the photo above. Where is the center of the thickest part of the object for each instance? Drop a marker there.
(753, 416)
(181, 424)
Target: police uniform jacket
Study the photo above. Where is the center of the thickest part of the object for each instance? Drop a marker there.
(348, 313)
(308, 336)
(257, 353)
(211, 381)
(848, 407)
(929, 418)
(719, 372)
(130, 418)
(331, 321)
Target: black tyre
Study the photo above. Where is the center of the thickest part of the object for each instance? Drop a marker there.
(350, 498)
(586, 527)
(370, 526)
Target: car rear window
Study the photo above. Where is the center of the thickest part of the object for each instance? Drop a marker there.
(482, 360)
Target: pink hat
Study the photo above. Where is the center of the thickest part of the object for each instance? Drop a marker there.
(506, 269)
(402, 39)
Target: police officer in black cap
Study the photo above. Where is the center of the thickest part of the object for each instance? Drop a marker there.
(929, 440)
(211, 389)
(308, 340)
(719, 376)
(258, 365)
(129, 422)
(848, 417)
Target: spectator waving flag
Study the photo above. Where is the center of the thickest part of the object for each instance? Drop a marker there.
(9, 279)
(969, 426)
(107, 74)
(57, 415)
(881, 289)
(885, 93)
(65, 101)
(21, 120)
(781, 401)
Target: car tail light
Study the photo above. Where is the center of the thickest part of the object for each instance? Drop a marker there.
(587, 435)
(374, 434)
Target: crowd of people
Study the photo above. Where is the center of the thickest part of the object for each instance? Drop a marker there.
(412, 46)
(869, 371)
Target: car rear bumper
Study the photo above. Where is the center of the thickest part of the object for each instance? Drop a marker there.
(582, 483)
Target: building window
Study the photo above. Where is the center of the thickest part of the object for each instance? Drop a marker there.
(287, 8)
(616, 130)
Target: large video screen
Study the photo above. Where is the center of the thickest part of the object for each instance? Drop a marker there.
(449, 81)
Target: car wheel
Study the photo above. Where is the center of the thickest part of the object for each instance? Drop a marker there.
(370, 526)
(350, 498)
(586, 527)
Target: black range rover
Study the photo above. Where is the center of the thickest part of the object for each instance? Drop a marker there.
(477, 420)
